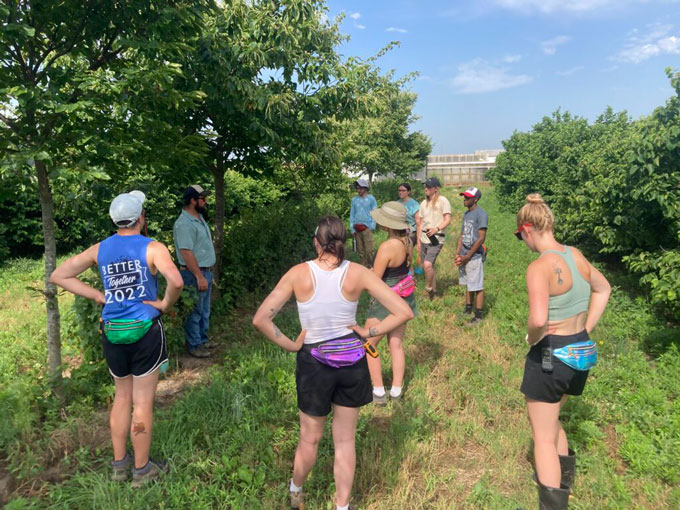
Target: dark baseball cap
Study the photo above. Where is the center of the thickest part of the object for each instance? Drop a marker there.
(195, 191)
(431, 182)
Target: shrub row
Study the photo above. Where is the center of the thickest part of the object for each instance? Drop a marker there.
(613, 184)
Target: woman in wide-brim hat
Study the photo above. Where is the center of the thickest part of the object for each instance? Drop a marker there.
(392, 263)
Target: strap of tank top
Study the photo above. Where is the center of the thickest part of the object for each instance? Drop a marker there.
(312, 272)
(568, 257)
(343, 275)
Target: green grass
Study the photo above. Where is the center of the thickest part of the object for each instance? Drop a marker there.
(459, 440)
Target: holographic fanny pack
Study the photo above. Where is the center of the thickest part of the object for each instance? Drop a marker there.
(339, 353)
(579, 356)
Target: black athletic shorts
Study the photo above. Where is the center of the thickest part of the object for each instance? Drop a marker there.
(140, 358)
(551, 386)
(319, 385)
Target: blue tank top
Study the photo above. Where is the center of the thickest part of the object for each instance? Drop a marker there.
(127, 278)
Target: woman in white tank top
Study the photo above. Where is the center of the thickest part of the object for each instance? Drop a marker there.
(331, 371)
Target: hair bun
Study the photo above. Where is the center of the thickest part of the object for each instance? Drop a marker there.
(535, 198)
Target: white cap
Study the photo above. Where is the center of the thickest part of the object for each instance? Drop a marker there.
(126, 208)
(361, 182)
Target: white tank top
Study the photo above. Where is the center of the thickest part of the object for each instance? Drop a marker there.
(327, 313)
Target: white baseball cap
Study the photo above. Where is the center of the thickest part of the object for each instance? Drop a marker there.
(126, 208)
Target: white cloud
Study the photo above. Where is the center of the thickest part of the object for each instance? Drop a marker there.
(555, 6)
(511, 59)
(652, 42)
(395, 29)
(550, 46)
(479, 76)
(360, 26)
(569, 72)
(355, 15)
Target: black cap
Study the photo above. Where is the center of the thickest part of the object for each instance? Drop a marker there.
(432, 182)
(195, 191)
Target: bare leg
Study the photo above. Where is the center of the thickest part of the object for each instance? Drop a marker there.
(544, 419)
(468, 297)
(374, 366)
(479, 299)
(430, 276)
(119, 419)
(311, 431)
(562, 443)
(143, 392)
(344, 430)
(395, 339)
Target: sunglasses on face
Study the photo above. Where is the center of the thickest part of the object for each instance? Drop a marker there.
(518, 232)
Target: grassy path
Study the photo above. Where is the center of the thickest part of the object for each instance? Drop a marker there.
(459, 439)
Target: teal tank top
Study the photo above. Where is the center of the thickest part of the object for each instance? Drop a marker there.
(576, 299)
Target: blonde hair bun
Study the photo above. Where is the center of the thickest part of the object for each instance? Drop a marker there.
(535, 198)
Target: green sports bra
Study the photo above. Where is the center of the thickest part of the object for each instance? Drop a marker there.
(576, 299)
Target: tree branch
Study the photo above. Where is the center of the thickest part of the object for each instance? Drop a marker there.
(10, 124)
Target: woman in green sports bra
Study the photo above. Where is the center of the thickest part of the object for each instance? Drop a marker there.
(567, 297)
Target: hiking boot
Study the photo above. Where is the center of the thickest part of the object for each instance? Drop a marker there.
(431, 293)
(380, 400)
(210, 345)
(200, 352)
(297, 499)
(468, 310)
(397, 398)
(121, 468)
(152, 471)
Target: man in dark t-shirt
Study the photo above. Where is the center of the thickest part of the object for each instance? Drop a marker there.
(470, 251)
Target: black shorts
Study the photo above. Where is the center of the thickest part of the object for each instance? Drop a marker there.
(563, 380)
(140, 358)
(319, 385)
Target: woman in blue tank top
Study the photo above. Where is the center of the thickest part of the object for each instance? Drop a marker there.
(132, 334)
(567, 297)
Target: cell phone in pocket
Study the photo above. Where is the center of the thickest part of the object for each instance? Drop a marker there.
(546, 359)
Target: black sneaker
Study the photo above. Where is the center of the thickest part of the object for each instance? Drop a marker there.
(149, 473)
(431, 293)
(475, 321)
(121, 468)
(468, 309)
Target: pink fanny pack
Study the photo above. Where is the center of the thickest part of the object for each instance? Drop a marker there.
(405, 287)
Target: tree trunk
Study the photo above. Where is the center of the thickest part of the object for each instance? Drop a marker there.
(51, 301)
(218, 174)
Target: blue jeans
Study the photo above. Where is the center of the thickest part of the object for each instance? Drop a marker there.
(196, 326)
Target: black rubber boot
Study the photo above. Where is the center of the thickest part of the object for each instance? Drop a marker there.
(551, 498)
(568, 467)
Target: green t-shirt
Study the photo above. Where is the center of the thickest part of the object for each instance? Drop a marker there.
(194, 234)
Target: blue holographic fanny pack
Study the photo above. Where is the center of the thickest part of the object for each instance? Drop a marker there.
(579, 356)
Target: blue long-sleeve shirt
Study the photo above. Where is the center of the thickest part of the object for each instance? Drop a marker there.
(360, 211)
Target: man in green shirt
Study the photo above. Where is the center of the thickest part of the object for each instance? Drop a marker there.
(196, 254)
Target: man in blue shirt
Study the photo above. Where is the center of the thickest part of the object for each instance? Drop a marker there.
(361, 223)
(196, 255)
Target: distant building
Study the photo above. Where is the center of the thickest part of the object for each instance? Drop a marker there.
(454, 169)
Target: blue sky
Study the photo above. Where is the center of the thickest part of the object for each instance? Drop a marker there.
(489, 67)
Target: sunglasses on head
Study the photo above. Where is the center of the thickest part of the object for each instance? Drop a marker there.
(518, 232)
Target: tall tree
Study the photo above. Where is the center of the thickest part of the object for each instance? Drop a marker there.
(379, 142)
(273, 81)
(85, 91)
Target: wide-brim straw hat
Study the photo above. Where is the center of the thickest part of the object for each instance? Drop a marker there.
(391, 215)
